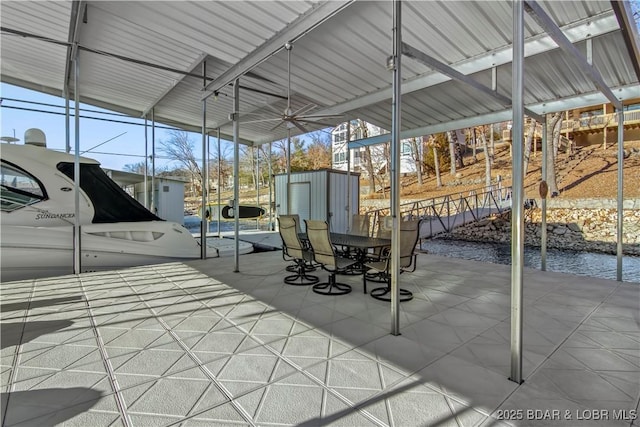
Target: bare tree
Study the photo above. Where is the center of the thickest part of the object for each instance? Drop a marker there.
(359, 127)
(527, 144)
(416, 154)
(135, 167)
(475, 143)
(452, 152)
(460, 139)
(221, 162)
(488, 157)
(180, 148)
(553, 137)
(436, 160)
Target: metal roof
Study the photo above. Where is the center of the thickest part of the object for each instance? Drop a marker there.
(139, 56)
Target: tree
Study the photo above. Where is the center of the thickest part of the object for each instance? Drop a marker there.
(180, 148)
(359, 128)
(437, 157)
(319, 151)
(527, 144)
(135, 168)
(553, 137)
(436, 161)
(416, 151)
(455, 150)
(488, 154)
(299, 160)
(221, 162)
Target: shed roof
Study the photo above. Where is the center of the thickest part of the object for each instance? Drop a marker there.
(142, 56)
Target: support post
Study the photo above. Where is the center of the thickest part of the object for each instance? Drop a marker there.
(619, 234)
(146, 165)
(517, 217)
(77, 241)
(153, 161)
(395, 167)
(236, 174)
(271, 225)
(288, 171)
(257, 184)
(218, 215)
(349, 214)
(204, 222)
(67, 145)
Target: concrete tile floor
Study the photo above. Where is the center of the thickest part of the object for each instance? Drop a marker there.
(196, 344)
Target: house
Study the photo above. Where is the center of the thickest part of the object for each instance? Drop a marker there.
(599, 124)
(379, 153)
(594, 125)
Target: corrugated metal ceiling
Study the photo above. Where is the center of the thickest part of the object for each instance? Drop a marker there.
(338, 66)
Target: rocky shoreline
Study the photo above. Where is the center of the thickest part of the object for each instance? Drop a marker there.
(570, 225)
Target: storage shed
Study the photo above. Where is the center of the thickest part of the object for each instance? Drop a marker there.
(319, 195)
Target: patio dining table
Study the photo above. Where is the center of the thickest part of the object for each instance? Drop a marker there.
(360, 245)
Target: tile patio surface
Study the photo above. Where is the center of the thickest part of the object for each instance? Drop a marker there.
(195, 344)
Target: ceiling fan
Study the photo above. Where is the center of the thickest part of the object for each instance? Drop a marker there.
(297, 118)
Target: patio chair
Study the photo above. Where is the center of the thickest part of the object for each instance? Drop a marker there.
(294, 267)
(409, 232)
(293, 249)
(359, 225)
(325, 254)
(379, 253)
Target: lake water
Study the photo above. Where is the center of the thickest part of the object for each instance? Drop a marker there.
(192, 223)
(562, 261)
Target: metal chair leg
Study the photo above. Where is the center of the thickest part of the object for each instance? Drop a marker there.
(301, 278)
(384, 293)
(331, 287)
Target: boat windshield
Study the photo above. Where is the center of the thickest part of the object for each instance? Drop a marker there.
(19, 188)
(111, 203)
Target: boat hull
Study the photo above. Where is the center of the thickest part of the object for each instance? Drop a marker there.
(30, 252)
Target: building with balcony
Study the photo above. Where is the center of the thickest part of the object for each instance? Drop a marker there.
(379, 153)
(599, 124)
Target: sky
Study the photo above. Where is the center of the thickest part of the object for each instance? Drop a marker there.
(122, 144)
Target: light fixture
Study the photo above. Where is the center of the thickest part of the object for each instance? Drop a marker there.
(391, 63)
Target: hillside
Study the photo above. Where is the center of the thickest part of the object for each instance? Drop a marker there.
(589, 172)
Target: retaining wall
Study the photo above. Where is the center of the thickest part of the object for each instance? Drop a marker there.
(570, 225)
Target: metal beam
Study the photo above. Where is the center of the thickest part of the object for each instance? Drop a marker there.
(445, 69)
(290, 34)
(545, 21)
(589, 28)
(202, 57)
(629, 30)
(74, 32)
(626, 92)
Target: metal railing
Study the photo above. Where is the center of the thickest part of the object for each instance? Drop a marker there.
(442, 214)
(600, 121)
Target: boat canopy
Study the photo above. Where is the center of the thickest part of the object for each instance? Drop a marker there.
(110, 202)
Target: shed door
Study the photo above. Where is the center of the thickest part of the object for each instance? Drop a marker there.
(300, 200)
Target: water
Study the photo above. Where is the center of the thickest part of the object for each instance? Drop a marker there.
(563, 261)
(192, 223)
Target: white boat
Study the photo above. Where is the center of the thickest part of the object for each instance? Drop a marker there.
(38, 214)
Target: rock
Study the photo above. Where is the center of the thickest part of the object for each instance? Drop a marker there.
(574, 227)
